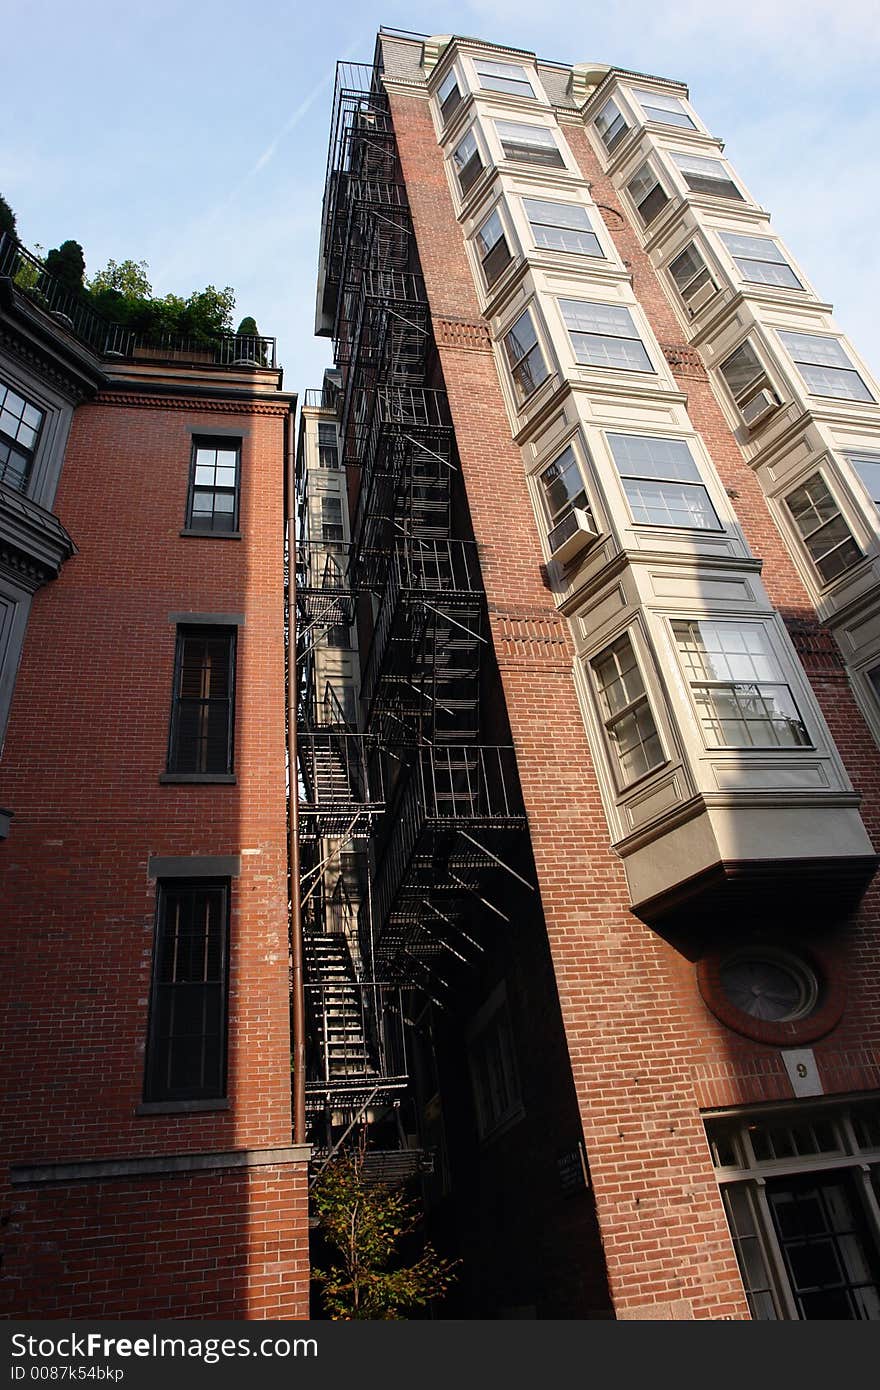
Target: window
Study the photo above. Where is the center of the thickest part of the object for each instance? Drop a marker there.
(707, 176)
(493, 1068)
(561, 227)
(467, 162)
(867, 465)
(529, 144)
(504, 77)
(744, 374)
(20, 425)
(186, 1045)
(214, 485)
(692, 278)
(737, 687)
(604, 335)
(647, 193)
(825, 367)
(328, 446)
(338, 636)
(524, 357)
(331, 519)
(759, 259)
(662, 482)
(562, 489)
(824, 531)
(626, 713)
(804, 1238)
(492, 248)
(449, 95)
(665, 110)
(204, 701)
(611, 126)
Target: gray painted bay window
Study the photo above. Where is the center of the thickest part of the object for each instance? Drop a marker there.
(524, 357)
(825, 534)
(662, 483)
(738, 689)
(626, 713)
(492, 248)
(825, 367)
(561, 227)
(604, 335)
(648, 194)
(611, 126)
(529, 144)
(759, 260)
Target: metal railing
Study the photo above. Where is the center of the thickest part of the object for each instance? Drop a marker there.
(72, 311)
(340, 774)
(31, 278)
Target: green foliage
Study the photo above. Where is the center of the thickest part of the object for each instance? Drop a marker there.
(248, 328)
(129, 279)
(365, 1225)
(27, 276)
(7, 217)
(67, 263)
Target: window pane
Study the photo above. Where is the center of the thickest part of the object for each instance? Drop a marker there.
(867, 466)
(561, 227)
(504, 77)
(667, 110)
(490, 233)
(742, 370)
(671, 504)
(528, 143)
(449, 95)
(201, 722)
(826, 534)
(644, 456)
(562, 487)
(214, 495)
(707, 176)
(746, 705)
(611, 126)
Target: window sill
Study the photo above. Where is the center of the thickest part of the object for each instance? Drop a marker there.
(222, 778)
(180, 1107)
(211, 535)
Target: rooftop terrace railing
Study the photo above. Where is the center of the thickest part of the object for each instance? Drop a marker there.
(72, 311)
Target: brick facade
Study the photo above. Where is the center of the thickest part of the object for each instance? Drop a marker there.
(646, 1053)
(86, 745)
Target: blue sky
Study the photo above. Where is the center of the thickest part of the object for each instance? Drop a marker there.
(194, 136)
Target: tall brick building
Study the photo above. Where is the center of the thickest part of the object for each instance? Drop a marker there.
(590, 619)
(148, 1163)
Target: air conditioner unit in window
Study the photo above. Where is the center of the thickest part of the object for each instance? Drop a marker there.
(702, 296)
(758, 408)
(573, 534)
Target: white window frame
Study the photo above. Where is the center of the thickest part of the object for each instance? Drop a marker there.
(552, 520)
(804, 536)
(735, 258)
(472, 132)
(687, 291)
(526, 80)
(504, 237)
(520, 401)
(637, 336)
(696, 483)
(622, 117)
(539, 144)
(638, 93)
(608, 718)
(785, 679)
(447, 116)
(738, 197)
(784, 333)
(650, 166)
(762, 382)
(589, 229)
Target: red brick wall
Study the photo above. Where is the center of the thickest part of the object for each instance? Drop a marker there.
(219, 1244)
(645, 1051)
(86, 744)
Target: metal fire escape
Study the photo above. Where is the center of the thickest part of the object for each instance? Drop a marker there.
(437, 812)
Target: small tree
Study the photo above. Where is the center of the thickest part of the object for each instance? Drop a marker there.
(7, 217)
(365, 1224)
(248, 328)
(128, 278)
(67, 263)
